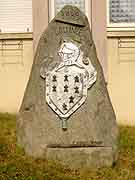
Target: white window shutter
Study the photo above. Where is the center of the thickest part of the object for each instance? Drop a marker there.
(15, 15)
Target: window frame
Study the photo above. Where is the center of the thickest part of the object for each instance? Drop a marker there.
(52, 9)
(117, 26)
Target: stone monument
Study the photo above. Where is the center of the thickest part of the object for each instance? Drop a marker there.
(66, 114)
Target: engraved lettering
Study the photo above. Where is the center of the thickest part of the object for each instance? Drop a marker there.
(68, 29)
(71, 13)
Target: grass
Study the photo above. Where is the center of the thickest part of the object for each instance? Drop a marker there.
(15, 165)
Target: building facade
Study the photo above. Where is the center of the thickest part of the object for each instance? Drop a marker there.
(16, 52)
(121, 57)
(112, 24)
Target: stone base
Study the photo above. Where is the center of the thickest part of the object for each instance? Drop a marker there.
(76, 158)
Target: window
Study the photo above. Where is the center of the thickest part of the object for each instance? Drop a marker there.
(56, 5)
(15, 15)
(121, 13)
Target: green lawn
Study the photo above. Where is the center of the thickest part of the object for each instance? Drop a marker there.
(14, 164)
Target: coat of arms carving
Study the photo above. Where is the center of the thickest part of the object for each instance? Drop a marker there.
(68, 82)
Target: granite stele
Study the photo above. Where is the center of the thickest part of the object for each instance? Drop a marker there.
(66, 114)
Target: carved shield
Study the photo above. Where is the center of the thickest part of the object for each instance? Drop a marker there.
(66, 89)
(68, 82)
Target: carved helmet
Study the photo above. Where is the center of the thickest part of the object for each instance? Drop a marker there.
(69, 52)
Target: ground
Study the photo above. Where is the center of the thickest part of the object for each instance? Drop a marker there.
(15, 165)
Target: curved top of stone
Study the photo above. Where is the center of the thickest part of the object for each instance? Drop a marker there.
(72, 15)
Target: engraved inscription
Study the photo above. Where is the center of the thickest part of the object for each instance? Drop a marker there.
(68, 29)
(71, 12)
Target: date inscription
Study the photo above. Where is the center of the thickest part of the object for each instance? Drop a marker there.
(71, 12)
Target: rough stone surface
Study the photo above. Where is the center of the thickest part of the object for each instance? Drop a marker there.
(95, 157)
(91, 137)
